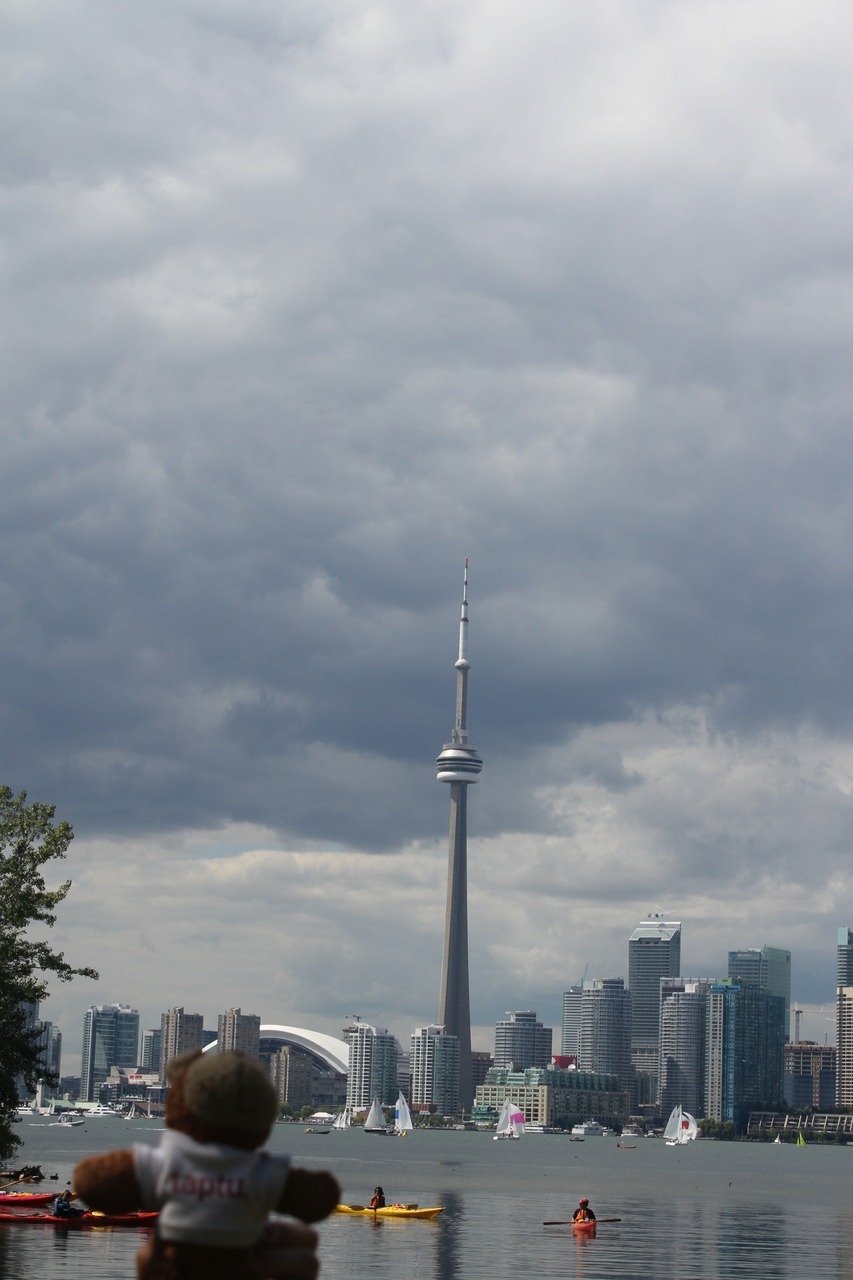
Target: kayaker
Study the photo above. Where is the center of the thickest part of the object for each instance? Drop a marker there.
(583, 1213)
(63, 1208)
(377, 1200)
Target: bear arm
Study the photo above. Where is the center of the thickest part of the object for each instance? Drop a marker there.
(309, 1195)
(108, 1182)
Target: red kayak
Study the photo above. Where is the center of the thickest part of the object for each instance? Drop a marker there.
(88, 1219)
(31, 1198)
(585, 1227)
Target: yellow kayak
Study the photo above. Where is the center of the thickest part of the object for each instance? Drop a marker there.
(391, 1211)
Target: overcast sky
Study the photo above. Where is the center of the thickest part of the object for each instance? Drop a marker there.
(302, 304)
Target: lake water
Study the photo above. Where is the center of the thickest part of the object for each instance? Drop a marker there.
(739, 1211)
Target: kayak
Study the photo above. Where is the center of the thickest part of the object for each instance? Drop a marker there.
(87, 1219)
(585, 1228)
(31, 1198)
(391, 1211)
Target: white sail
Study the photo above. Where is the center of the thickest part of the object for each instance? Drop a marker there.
(402, 1116)
(510, 1122)
(689, 1127)
(342, 1119)
(673, 1126)
(375, 1122)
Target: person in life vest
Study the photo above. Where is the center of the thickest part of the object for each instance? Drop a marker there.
(377, 1200)
(583, 1213)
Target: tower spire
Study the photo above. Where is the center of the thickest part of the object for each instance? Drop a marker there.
(458, 764)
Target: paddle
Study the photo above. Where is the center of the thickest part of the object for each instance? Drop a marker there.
(16, 1183)
(570, 1222)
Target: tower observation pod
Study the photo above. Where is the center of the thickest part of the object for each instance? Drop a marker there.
(459, 764)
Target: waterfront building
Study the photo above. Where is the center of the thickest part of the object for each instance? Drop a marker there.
(180, 1032)
(810, 1074)
(459, 764)
(683, 1017)
(572, 1000)
(292, 1075)
(434, 1070)
(238, 1032)
(745, 1037)
(552, 1096)
(149, 1059)
(110, 1038)
(372, 1071)
(522, 1041)
(481, 1060)
(604, 1043)
(769, 967)
(654, 952)
(844, 1018)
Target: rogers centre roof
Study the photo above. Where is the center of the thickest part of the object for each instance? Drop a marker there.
(334, 1052)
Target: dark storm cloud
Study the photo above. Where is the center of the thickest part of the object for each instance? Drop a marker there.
(303, 306)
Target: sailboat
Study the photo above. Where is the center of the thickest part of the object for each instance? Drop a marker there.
(680, 1128)
(801, 1142)
(342, 1119)
(375, 1122)
(510, 1121)
(402, 1117)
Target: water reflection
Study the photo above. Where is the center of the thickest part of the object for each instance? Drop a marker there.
(451, 1228)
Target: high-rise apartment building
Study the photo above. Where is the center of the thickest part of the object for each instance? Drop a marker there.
(745, 1040)
(239, 1032)
(768, 967)
(292, 1073)
(810, 1075)
(654, 952)
(572, 1000)
(604, 1044)
(459, 764)
(434, 1067)
(372, 1065)
(683, 1016)
(179, 1033)
(522, 1041)
(150, 1054)
(844, 1018)
(110, 1038)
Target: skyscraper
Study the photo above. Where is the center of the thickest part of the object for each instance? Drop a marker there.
(745, 1042)
(522, 1041)
(238, 1032)
(844, 1018)
(604, 1042)
(372, 1069)
(769, 967)
(110, 1039)
(683, 1020)
(435, 1070)
(179, 1033)
(459, 764)
(654, 952)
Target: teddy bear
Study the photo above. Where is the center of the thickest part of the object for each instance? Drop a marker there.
(212, 1185)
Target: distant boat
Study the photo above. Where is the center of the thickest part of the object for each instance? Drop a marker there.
(402, 1117)
(680, 1128)
(65, 1121)
(801, 1142)
(342, 1119)
(589, 1129)
(510, 1121)
(375, 1122)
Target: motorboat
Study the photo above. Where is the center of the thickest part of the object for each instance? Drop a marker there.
(589, 1129)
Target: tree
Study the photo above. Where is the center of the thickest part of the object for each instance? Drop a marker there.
(28, 839)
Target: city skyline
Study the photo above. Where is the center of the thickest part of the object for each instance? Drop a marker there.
(303, 309)
(484, 1038)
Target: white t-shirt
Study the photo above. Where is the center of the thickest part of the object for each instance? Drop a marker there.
(208, 1193)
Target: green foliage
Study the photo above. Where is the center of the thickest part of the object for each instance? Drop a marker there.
(28, 839)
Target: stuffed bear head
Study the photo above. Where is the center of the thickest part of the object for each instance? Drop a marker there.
(221, 1097)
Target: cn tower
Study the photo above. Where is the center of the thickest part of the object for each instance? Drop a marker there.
(460, 765)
